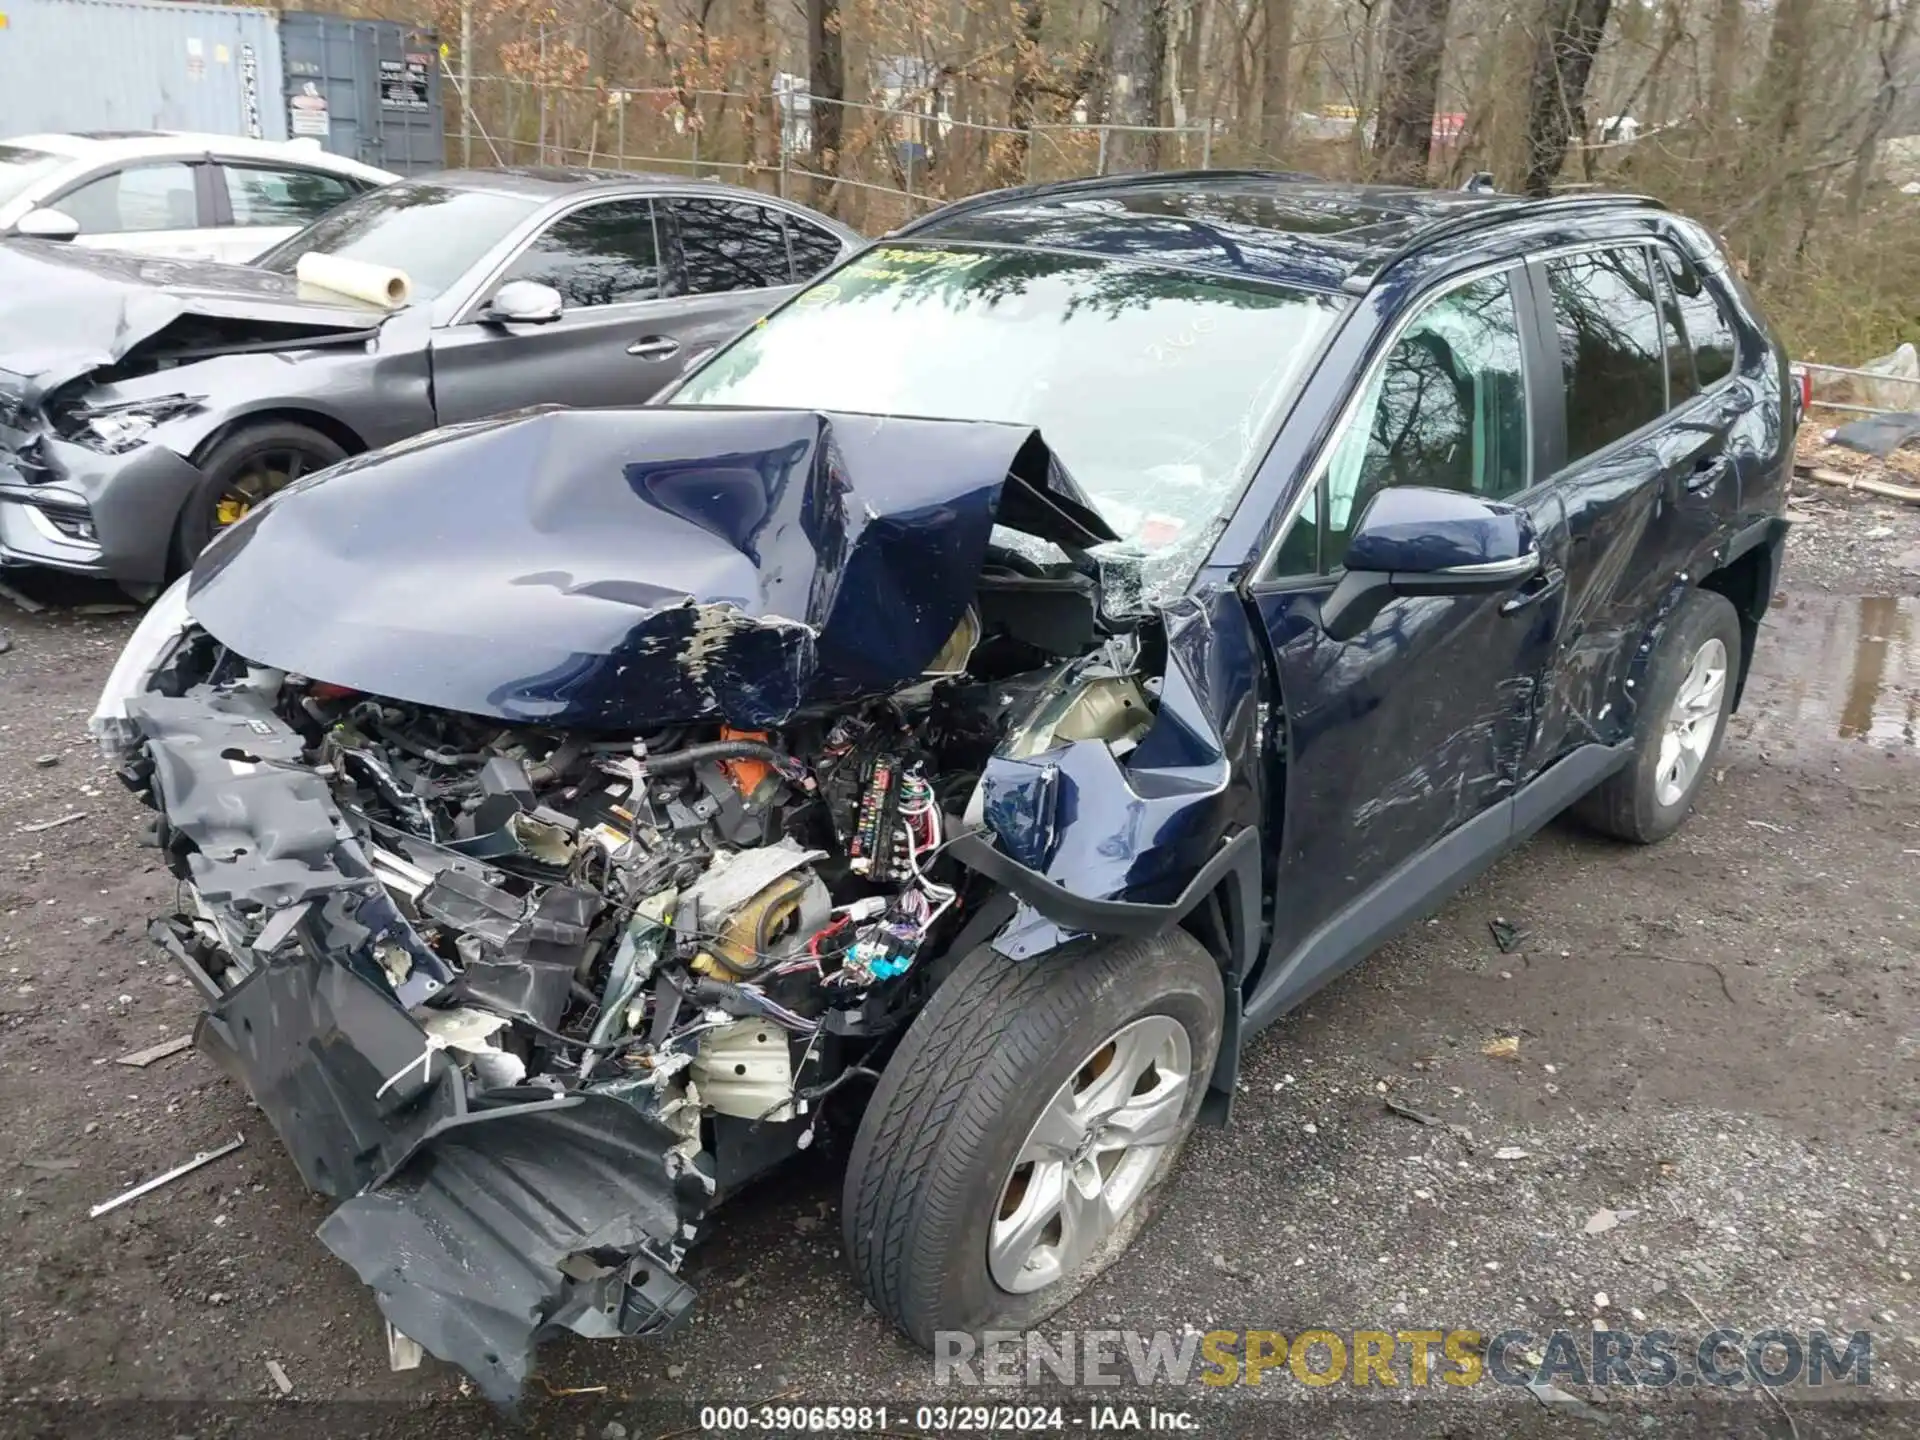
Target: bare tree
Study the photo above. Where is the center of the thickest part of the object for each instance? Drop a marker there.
(1416, 43)
(1557, 91)
(1136, 68)
(1276, 78)
(827, 80)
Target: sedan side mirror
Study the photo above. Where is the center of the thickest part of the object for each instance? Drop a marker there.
(1415, 541)
(47, 224)
(524, 302)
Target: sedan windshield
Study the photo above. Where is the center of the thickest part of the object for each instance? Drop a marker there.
(432, 232)
(21, 166)
(1155, 387)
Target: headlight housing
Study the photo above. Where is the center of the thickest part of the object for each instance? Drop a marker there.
(115, 429)
(154, 640)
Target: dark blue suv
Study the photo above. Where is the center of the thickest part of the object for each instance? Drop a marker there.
(1049, 648)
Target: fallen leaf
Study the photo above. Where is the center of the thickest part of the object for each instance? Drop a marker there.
(1601, 1222)
(1504, 1047)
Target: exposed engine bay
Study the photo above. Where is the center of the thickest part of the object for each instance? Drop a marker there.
(528, 989)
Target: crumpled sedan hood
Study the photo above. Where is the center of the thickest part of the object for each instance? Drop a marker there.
(66, 310)
(633, 568)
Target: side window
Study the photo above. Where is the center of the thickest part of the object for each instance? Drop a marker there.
(1611, 356)
(727, 245)
(141, 197)
(1448, 409)
(1707, 328)
(260, 196)
(814, 249)
(600, 255)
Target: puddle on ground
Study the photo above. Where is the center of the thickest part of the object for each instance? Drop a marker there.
(1840, 668)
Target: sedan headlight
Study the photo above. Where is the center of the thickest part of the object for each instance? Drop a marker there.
(115, 429)
(154, 640)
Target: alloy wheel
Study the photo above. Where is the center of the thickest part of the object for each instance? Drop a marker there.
(1091, 1154)
(1692, 723)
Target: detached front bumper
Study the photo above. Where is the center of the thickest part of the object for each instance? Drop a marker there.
(482, 1219)
(75, 509)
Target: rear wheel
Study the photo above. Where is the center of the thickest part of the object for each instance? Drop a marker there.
(241, 471)
(1012, 1149)
(1682, 720)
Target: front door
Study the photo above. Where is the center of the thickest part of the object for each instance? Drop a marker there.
(1423, 721)
(616, 341)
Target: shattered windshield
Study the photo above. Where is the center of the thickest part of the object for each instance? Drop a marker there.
(1154, 387)
(435, 233)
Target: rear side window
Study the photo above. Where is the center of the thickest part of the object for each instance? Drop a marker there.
(138, 198)
(1707, 329)
(814, 249)
(598, 255)
(260, 196)
(728, 245)
(1612, 356)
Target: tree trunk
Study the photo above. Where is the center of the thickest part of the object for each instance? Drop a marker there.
(827, 82)
(1723, 70)
(1023, 100)
(1416, 43)
(1557, 93)
(1136, 60)
(1276, 80)
(763, 115)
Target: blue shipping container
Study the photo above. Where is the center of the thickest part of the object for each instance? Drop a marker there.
(140, 65)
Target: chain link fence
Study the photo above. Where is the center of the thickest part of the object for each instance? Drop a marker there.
(893, 162)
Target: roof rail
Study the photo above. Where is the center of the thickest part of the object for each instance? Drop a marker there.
(1095, 183)
(1481, 217)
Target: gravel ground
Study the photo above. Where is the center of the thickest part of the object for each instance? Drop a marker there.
(1716, 1042)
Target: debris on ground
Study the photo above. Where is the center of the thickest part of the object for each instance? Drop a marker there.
(1512, 1152)
(25, 602)
(1502, 1047)
(1421, 1117)
(205, 1157)
(53, 1166)
(1506, 935)
(45, 825)
(279, 1374)
(1601, 1221)
(1878, 435)
(140, 1059)
(45, 762)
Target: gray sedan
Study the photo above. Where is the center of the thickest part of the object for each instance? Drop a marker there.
(145, 403)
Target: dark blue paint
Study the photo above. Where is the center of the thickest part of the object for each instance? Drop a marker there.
(628, 569)
(1418, 530)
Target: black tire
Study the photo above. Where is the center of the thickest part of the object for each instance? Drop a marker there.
(250, 449)
(1627, 805)
(932, 1160)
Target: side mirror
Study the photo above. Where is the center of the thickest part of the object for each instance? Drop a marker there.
(524, 302)
(1415, 541)
(47, 224)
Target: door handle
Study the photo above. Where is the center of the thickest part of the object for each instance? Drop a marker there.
(654, 347)
(1543, 584)
(1708, 471)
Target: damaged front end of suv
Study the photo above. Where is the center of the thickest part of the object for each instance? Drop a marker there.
(556, 849)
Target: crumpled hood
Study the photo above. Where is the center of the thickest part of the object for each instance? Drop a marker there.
(624, 569)
(66, 310)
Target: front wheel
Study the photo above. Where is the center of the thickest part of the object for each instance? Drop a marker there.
(1013, 1147)
(1682, 720)
(243, 469)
